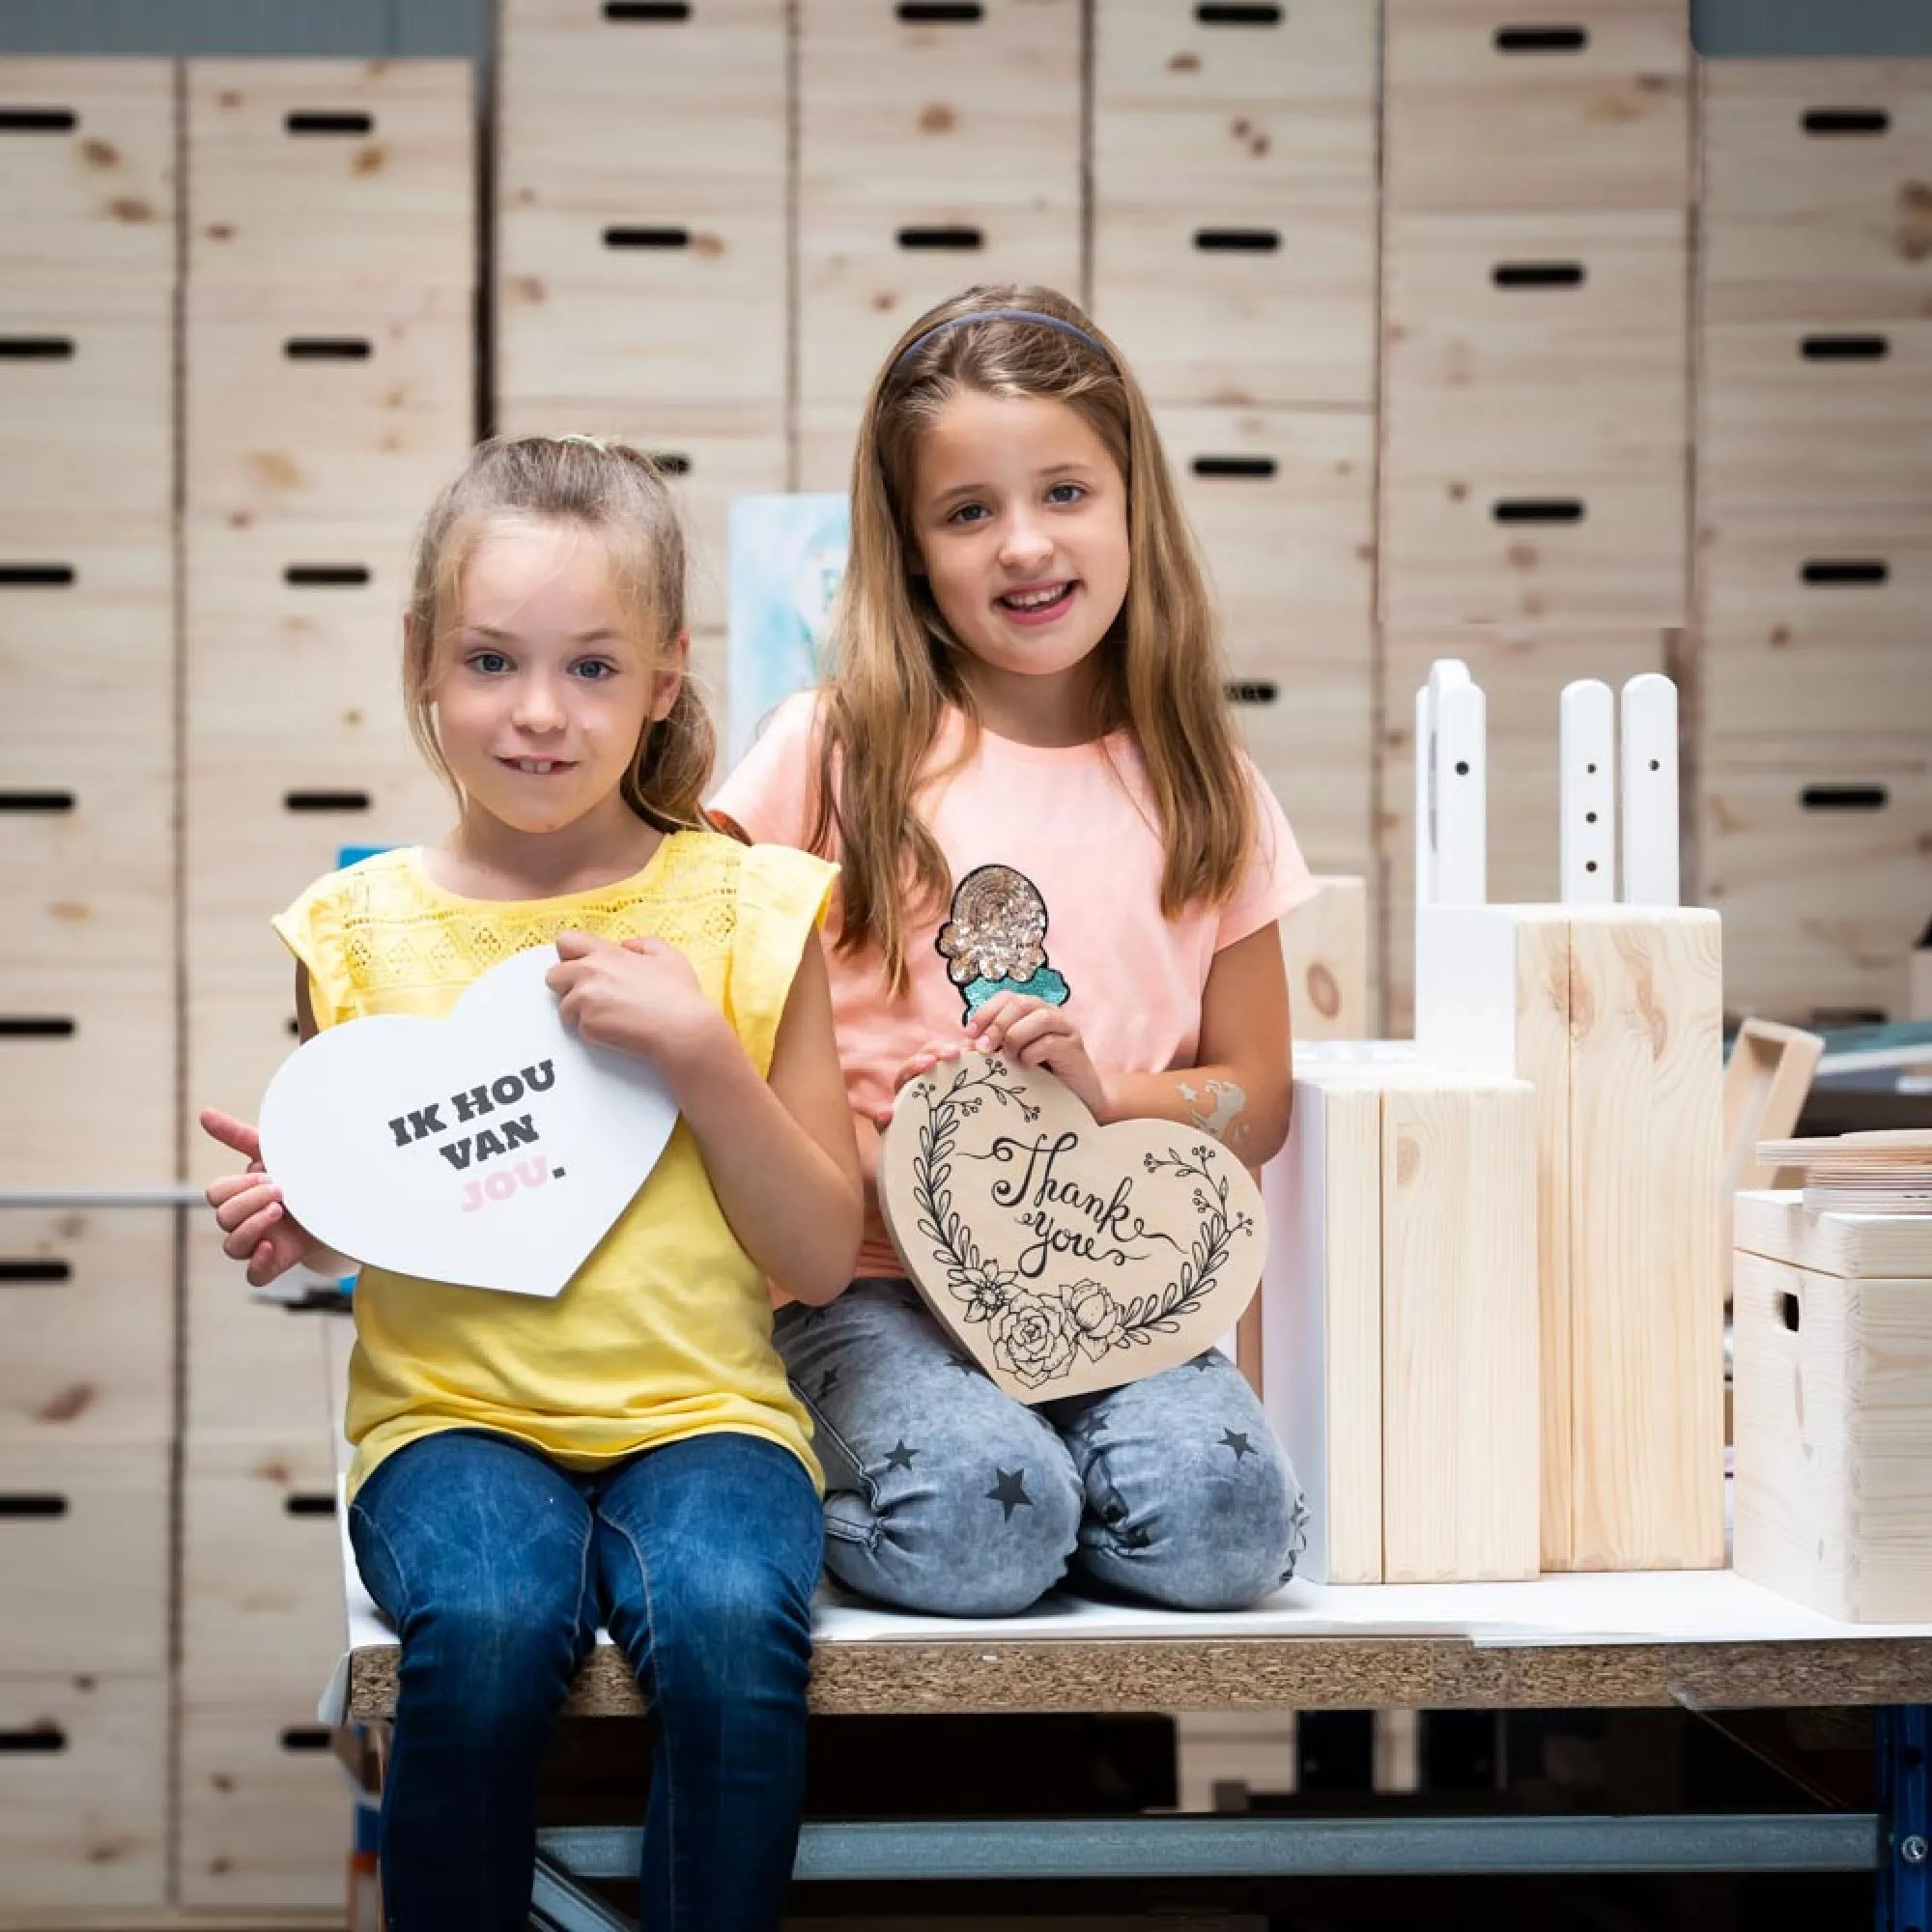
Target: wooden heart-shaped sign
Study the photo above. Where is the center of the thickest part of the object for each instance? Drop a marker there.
(490, 1148)
(1065, 1257)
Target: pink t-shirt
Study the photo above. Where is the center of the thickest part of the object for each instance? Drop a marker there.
(1056, 867)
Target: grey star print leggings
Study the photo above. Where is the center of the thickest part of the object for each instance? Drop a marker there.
(945, 1494)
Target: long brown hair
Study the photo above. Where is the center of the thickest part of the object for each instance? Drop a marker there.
(896, 668)
(618, 493)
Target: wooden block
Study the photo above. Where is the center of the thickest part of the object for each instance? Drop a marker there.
(89, 149)
(1545, 341)
(84, 1540)
(313, 404)
(711, 455)
(1615, 1014)
(1401, 1361)
(87, 1339)
(261, 1549)
(87, 638)
(84, 1798)
(985, 106)
(87, 400)
(1796, 418)
(250, 1367)
(1485, 110)
(1324, 948)
(1834, 1389)
(332, 173)
(1223, 304)
(1816, 203)
(1813, 626)
(865, 272)
(1470, 541)
(264, 1812)
(1261, 106)
(87, 1073)
(1820, 873)
(580, 262)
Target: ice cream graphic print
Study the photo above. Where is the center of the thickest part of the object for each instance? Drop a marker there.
(995, 939)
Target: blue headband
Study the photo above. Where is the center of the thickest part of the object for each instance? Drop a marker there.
(1074, 330)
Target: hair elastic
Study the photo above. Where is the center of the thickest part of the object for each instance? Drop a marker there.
(1071, 329)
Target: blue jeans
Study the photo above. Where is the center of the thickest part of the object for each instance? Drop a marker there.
(944, 1494)
(496, 1568)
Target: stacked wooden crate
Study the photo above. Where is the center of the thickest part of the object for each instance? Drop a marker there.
(1234, 260)
(1535, 387)
(1815, 529)
(643, 261)
(89, 208)
(329, 391)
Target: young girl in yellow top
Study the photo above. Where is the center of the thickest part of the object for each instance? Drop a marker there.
(628, 1454)
(1052, 846)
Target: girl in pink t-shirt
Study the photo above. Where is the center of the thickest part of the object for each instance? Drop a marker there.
(1052, 848)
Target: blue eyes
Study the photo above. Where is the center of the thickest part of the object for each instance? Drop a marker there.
(494, 663)
(1060, 493)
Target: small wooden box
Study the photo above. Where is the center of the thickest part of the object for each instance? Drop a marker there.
(90, 1323)
(1615, 1015)
(1820, 871)
(1487, 110)
(266, 1814)
(89, 150)
(1814, 628)
(1833, 1384)
(85, 1529)
(84, 1817)
(1814, 199)
(261, 1549)
(251, 1368)
(316, 404)
(87, 401)
(333, 173)
(1398, 1318)
(711, 454)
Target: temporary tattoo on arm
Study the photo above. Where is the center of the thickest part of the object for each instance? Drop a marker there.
(1221, 1115)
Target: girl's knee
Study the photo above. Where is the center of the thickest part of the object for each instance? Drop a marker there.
(485, 1673)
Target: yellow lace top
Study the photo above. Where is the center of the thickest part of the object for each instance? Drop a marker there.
(665, 1331)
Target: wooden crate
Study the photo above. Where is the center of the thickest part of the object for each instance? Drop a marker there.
(628, 288)
(1312, 748)
(85, 1531)
(1816, 626)
(88, 1072)
(89, 150)
(711, 455)
(1467, 539)
(1796, 417)
(321, 403)
(87, 655)
(87, 1336)
(332, 173)
(1833, 1381)
(1259, 107)
(1221, 305)
(1486, 110)
(87, 383)
(251, 1368)
(1325, 951)
(867, 271)
(261, 1551)
(1547, 342)
(1817, 190)
(1399, 1322)
(83, 1794)
(1820, 871)
(1614, 1015)
(266, 1812)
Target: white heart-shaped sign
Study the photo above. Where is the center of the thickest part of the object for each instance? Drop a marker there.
(490, 1148)
(1065, 1257)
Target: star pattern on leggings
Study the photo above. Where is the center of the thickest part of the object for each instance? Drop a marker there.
(826, 1383)
(1201, 1363)
(900, 1457)
(1008, 1491)
(1238, 1444)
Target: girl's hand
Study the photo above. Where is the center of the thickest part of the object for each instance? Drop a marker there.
(932, 1054)
(258, 1229)
(640, 997)
(1034, 1032)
